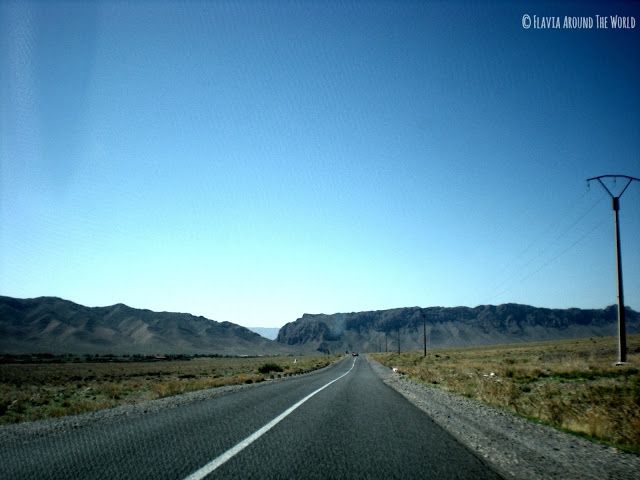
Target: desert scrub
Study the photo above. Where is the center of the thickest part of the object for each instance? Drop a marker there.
(573, 384)
(270, 367)
(41, 390)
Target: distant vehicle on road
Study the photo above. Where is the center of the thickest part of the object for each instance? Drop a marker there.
(355, 354)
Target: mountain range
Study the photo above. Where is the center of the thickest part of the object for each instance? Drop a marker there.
(383, 330)
(54, 325)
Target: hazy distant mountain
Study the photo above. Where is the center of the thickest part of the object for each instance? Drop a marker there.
(270, 333)
(53, 325)
(459, 326)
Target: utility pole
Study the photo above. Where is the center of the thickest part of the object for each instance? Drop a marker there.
(398, 340)
(386, 343)
(622, 333)
(424, 333)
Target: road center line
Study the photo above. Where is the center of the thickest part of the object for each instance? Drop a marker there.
(217, 462)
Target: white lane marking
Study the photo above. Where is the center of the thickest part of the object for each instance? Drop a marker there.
(217, 462)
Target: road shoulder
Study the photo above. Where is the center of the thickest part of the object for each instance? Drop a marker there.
(516, 448)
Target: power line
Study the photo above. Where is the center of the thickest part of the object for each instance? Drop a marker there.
(554, 225)
(553, 259)
(541, 253)
(570, 247)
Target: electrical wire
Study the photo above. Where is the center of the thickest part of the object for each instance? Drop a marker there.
(554, 258)
(543, 250)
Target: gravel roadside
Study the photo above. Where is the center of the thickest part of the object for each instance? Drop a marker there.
(516, 447)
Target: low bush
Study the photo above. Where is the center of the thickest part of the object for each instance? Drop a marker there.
(270, 367)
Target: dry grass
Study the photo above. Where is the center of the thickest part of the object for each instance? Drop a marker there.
(36, 391)
(573, 385)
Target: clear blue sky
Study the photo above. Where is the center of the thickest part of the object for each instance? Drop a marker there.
(252, 161)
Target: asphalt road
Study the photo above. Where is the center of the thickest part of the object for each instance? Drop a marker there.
(357, 427)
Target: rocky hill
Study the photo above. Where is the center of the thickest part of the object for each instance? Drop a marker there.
(459, 326)
(54, 325)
